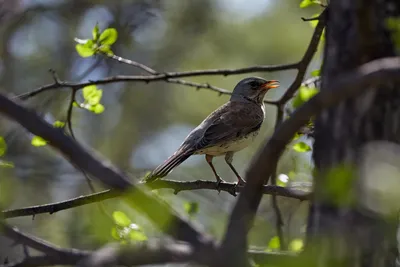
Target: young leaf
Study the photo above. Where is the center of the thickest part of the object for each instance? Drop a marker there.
(92, 95)
(115, 233)
(315, 73)
(121, 219)
(59, 124)
(96, 32)
(106, 50)
(86, 50)
(306, 3)
(136, 235)
(274, 243)
(3, 146)
(38, 141)
(191, 208)
(304, 94)
(97, 109)
(108, 36)
(301, 147)
(296, 245)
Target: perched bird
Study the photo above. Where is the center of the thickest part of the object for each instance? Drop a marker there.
(230, 128)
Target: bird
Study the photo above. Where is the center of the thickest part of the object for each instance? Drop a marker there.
(229, 129)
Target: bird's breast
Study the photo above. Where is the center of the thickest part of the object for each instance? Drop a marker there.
(229, 146)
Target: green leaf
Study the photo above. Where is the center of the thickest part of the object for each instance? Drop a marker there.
(137, 235)
(191, 208)
(304, 94)
(106, 49)
(86, 50)
(315, 73)
(59, 124)
(306, 3)
(97, 109)
(274, 243)
(296, 245)
(115, 233)
(121, 219)
(3, 146)
(92, 95)
(96, 32)
(38, 141)
(108, 36)
(393, 24)
(301, 147)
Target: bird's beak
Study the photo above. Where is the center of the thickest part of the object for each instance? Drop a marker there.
(270, 85)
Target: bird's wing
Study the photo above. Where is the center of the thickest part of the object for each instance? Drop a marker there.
(231, 121)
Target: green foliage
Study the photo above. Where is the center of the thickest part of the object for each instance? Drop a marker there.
(274, 244)
(339, 184)
(316, 73)
(92, 96)
(3, 150)
(191, 208)
(296, 245)
(393, 25)
(59, 124)
(3, 146)
(301, 147)
(303, 95)
(282, 180)
(126, 231)
(38, 141)
(307, 3)
(101, 42)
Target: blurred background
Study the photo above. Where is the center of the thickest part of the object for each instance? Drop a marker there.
(142, 124)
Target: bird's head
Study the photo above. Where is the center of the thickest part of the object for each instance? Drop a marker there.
(253, 89)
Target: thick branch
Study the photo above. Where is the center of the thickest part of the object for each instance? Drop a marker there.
(349, 85)
(156, 210)
(177, 186)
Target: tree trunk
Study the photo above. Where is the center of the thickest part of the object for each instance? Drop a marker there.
(342, 230)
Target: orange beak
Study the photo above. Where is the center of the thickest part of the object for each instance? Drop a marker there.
(270, 85)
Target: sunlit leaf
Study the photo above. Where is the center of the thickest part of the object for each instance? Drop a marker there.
(106, 49)
(306, 3)
(121, 219)
(92, 95)
(86, 50)
(282, 180)
(38, 141)
(296, 245)
(96, 32)
(274, 243)
(137, 235)
(108, 36)
(59, 124)
(315, 73)
(301, 147)
(191, 208)
(303, 95)
(115, 234)
(97, 109)
(3, 146)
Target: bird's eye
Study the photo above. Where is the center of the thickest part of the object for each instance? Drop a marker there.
(253, 84)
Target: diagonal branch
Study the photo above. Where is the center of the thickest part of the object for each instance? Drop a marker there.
(156, 210)
(177, 186)
(349, 85)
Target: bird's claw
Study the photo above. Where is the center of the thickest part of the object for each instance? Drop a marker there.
(219, 181)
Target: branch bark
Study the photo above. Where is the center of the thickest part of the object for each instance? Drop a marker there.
(350, 84)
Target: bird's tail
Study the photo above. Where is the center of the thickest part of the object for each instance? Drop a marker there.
(165, 168)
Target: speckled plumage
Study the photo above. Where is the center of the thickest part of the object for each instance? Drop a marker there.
(229, 129)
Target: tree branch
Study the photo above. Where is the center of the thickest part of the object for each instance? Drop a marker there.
(349, 85)
(177, 186)
(156, 210)
(167, 77)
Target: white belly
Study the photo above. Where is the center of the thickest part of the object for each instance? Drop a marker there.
(232, 146)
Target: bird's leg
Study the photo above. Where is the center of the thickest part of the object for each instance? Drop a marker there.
(209, 159)
(228, 160)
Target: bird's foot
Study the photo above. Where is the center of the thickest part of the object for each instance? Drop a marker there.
(218, 184)
(240, 182)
